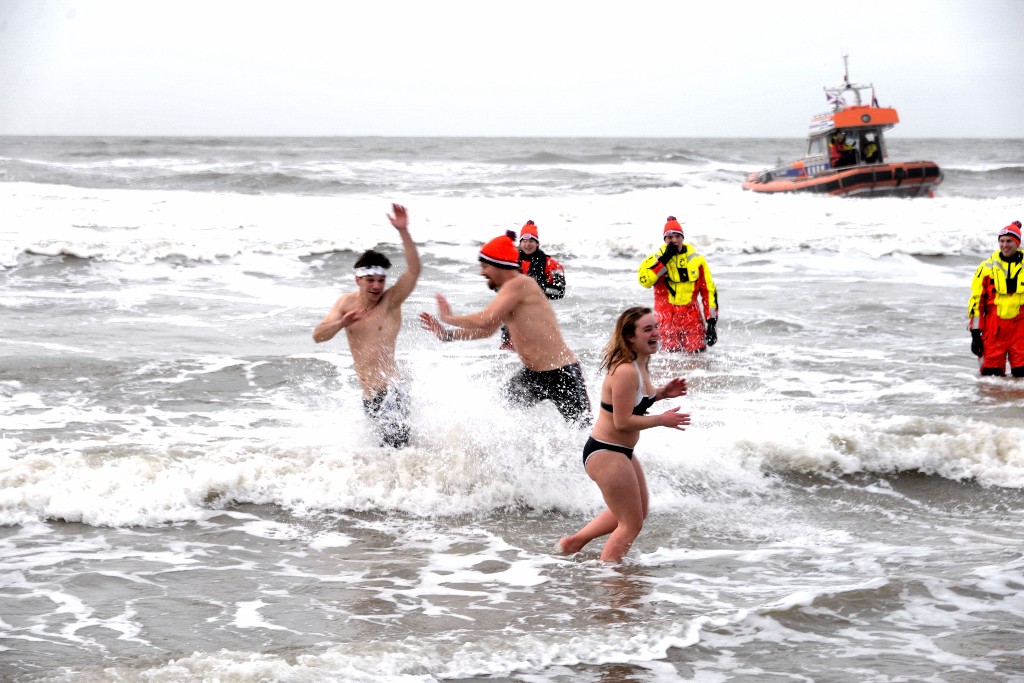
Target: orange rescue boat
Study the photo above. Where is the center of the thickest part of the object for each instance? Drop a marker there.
(846, 154)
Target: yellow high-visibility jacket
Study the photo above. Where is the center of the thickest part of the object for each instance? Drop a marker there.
(997, 289)
(684, 277)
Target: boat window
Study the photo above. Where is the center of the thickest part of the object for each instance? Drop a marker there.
(815, 147)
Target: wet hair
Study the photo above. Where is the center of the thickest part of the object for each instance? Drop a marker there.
(372, 258)
(617, 351)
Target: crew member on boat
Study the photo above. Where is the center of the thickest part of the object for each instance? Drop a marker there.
(685, 298)
(995, 309)
(842, 150)
(870, 147)
(835, 150)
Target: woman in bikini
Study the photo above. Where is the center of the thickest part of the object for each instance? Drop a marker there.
(626, 395)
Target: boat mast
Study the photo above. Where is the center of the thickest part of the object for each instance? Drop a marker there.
(835, 95)
(846, 79)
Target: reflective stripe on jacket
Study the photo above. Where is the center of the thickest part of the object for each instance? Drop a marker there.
(997, 289)
(686, 275)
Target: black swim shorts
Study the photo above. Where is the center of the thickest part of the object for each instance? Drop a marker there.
(389, 411)
(562, 386)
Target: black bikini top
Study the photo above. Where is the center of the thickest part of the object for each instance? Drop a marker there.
(642, 403)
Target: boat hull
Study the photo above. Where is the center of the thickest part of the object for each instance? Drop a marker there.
(906, 179)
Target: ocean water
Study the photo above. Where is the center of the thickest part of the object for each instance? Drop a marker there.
(189, 490)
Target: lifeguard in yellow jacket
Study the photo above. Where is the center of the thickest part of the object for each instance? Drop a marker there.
(995, 308)
(685, 298)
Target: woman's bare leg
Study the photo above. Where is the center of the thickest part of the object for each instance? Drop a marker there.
(601, 525)
(625, 492)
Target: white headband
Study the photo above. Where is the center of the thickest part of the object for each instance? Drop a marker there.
(370, 270)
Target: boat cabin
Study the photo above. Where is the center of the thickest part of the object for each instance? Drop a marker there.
(848, 135)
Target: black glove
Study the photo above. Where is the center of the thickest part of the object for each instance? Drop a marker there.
(977, 346)
(670, 251)
(711, 335)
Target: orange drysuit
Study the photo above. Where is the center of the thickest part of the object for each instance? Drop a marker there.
(996, 308)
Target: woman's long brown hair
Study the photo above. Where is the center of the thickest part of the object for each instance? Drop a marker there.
(617, 350)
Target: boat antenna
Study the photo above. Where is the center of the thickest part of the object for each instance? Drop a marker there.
(835, 94)
(851, 87)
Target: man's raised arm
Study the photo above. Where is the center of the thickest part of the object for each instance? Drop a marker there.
(406, 282)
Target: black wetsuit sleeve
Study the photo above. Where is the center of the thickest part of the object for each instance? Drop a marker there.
(556, 288)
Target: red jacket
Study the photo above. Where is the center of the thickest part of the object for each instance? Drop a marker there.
(546, 271)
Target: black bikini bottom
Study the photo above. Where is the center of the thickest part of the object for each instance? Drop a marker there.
(593, 445)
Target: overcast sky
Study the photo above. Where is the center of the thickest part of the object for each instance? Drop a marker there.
(666, 68)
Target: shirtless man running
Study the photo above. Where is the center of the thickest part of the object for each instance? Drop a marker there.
(552, 371)
(371, 318)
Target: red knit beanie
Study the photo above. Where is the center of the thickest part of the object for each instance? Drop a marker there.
(1013, 230)
(529, 230)
(672, 227)
(501, 252)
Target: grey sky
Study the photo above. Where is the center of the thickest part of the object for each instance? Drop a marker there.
(561, 68)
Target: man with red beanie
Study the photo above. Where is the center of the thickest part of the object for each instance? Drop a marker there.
(685, 297)
(995, 308)
(551, 370)
(548, 272)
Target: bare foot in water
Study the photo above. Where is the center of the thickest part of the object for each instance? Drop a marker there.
(569, 546)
